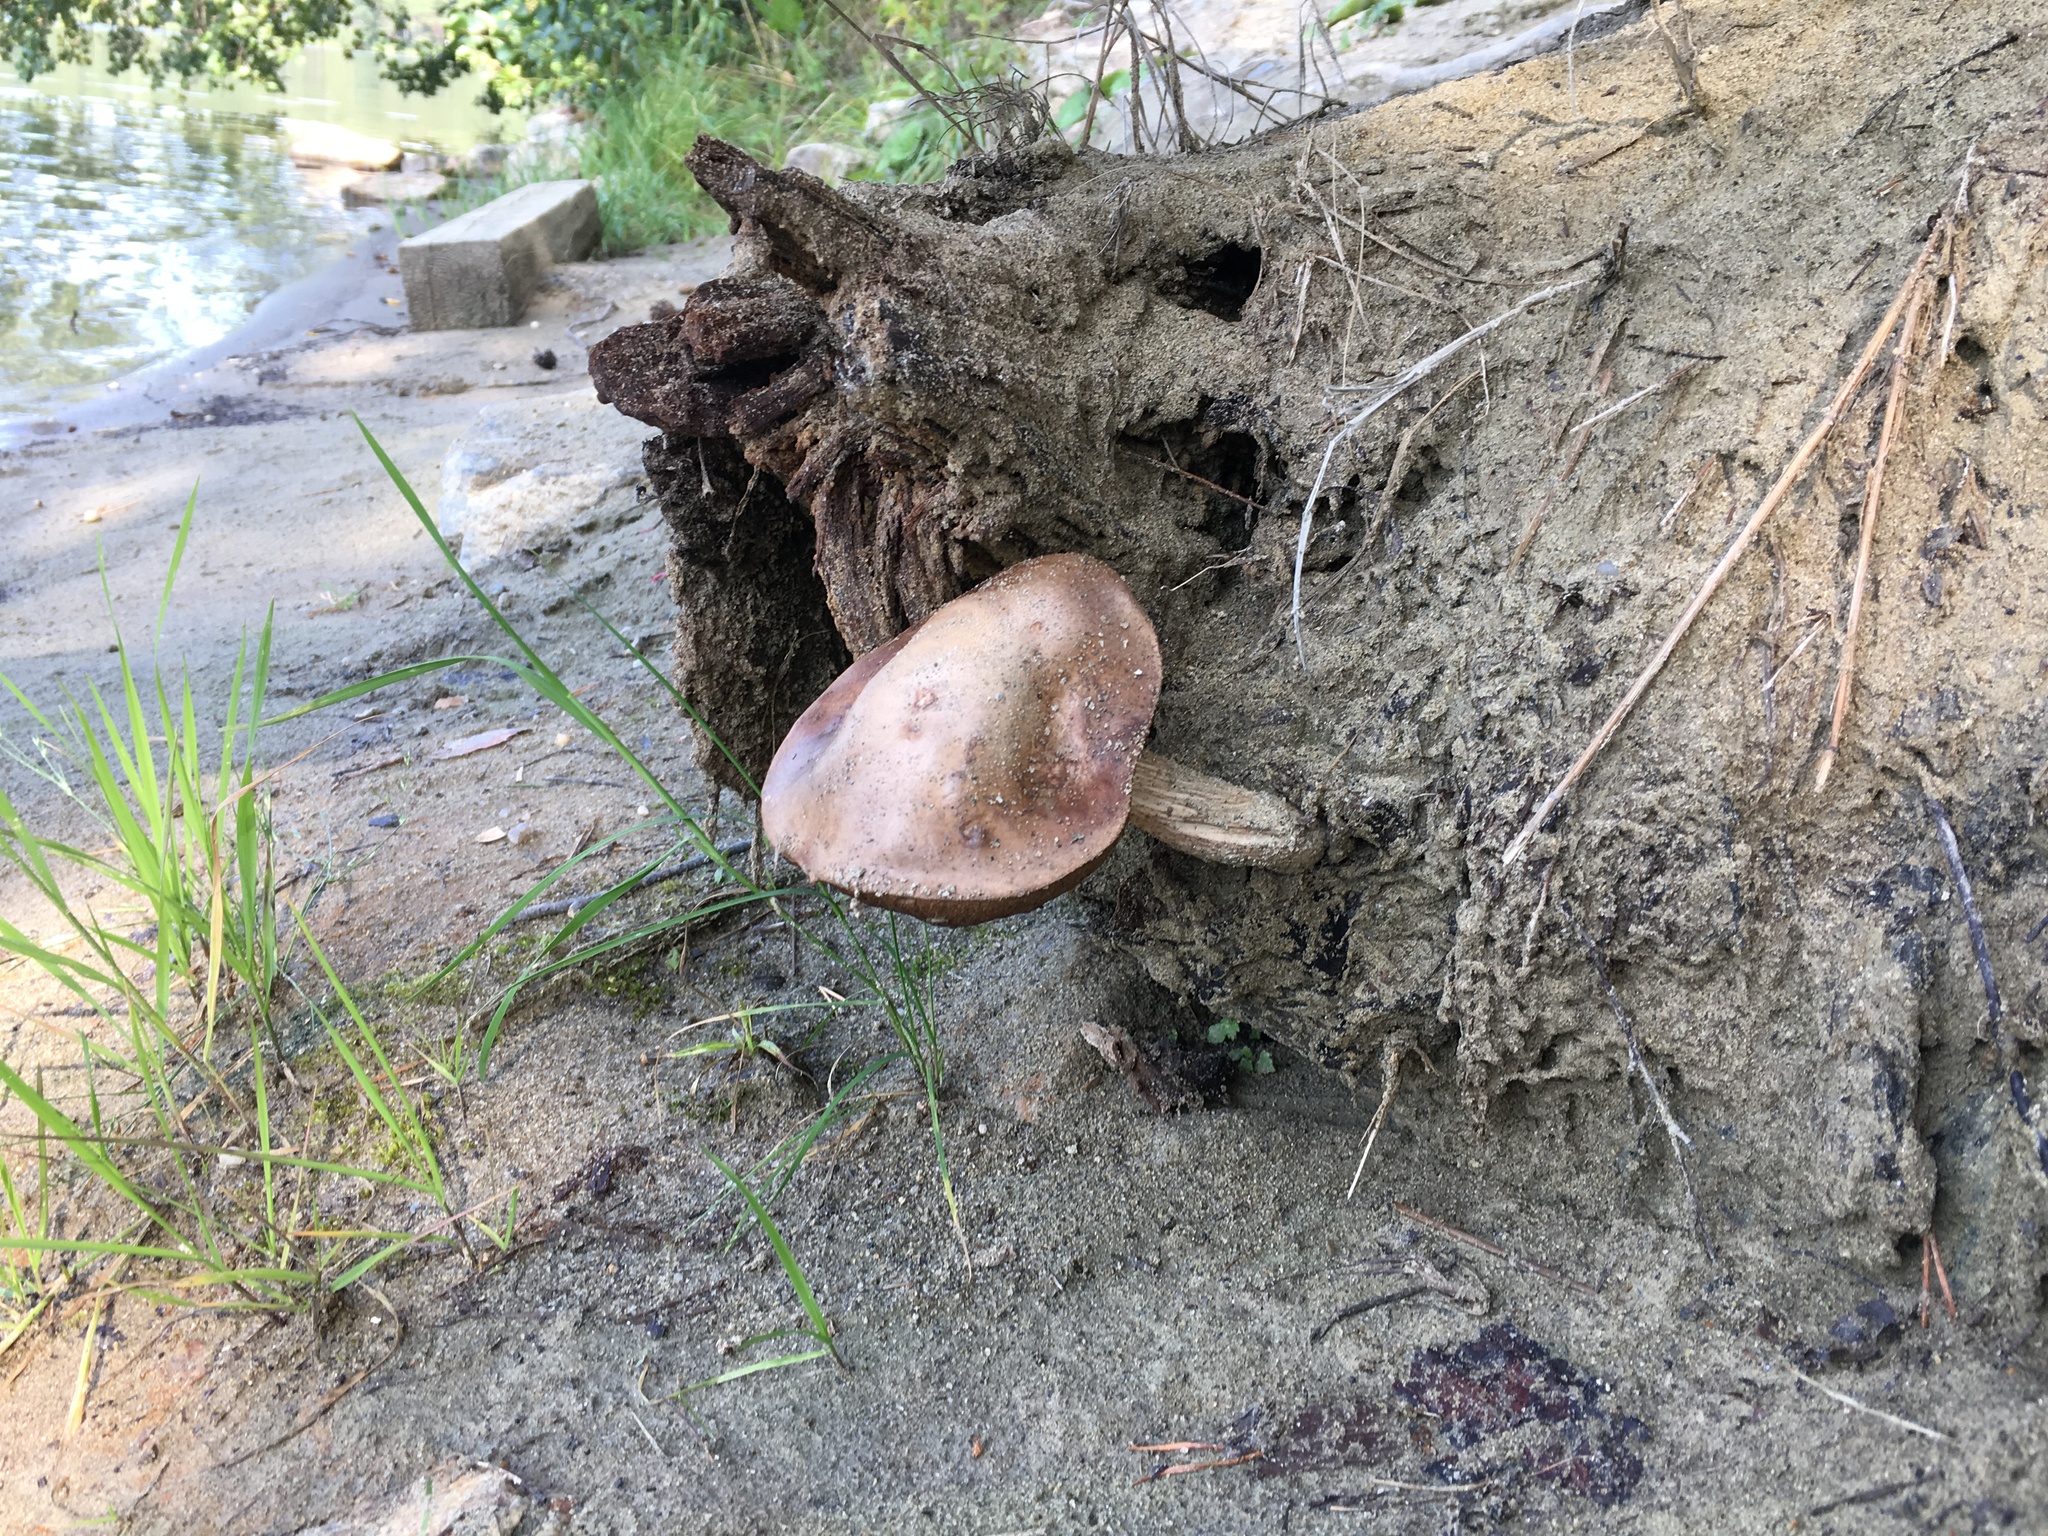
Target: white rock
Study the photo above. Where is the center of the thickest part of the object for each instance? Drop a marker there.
(455, 1498)
(529, 473)
(393, 187)
(830, 163)
(329, 144)
(883, 116)
(554, 144)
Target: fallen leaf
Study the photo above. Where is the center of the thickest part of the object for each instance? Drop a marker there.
(491, 835)
(483, 741)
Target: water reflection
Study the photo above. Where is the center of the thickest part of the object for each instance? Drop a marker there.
(131, 232)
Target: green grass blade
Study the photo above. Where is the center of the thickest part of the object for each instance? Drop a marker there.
(403, 1121)
(163, 606)
(669, 687)
(798, 1282)
(82, 1146)
(754, 1369)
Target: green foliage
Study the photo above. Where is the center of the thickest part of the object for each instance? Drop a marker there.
(527, 52)
(523, 51)
(168, 1126)
(1248, 1056)
(896, 978)
(188, 841)
(799, 76)
(168, 39)
(1370, 17)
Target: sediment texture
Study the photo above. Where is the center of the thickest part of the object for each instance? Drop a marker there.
(898, 391)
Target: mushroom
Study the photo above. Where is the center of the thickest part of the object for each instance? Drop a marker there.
(986, 760)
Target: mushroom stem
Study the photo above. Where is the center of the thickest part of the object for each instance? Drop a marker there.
(1217, 821)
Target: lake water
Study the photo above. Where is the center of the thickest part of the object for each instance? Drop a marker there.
(137, 224)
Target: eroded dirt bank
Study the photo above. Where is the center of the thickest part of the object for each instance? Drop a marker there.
(1147, 363)
(1795, 962)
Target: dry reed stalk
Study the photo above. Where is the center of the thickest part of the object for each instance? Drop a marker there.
(1406, 380)
(1773, 499)
(1873, 491)
(1581, 435)
(1390, 1074)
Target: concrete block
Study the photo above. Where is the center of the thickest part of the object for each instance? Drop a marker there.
(480, 269)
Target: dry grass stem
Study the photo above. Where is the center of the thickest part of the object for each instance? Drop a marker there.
(1396, 473)
(1390, 1075)
(1471, 1240)
(1394, 248)
(1861, 1407)
(1685, 496)
(1681, 1143)
(2033, 1116)
(1406, 380)
(1300, 308)
(1772, 500)
(1873, 491)
(1678, 43)
(1581, 435)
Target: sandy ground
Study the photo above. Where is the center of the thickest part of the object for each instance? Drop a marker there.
(1138, 1279)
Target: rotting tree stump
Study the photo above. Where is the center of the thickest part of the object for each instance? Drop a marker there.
(897, 391)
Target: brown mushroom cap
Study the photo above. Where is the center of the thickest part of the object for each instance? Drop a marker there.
(980, 763)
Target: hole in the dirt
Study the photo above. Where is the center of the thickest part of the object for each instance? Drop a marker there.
(1971, 350)
(1232, 462)
(1225, 469)
(1218, 283)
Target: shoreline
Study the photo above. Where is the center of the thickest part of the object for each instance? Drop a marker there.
(353, 291)
(349, 289)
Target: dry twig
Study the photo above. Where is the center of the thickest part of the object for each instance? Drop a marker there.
(1638, 1067)
(1773, 499)
(1183, 1468)
(319, 1410)
(1470, 1240)
(1873, 490)
(2033, 1117)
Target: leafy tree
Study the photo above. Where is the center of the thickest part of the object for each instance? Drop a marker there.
(168, 38)
(524, 51)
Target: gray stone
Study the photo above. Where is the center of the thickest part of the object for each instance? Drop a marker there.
(830, 163)
(481, 269)
(393, 187)
(529, 474)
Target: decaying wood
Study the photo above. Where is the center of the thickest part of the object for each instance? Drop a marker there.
(895, 392)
